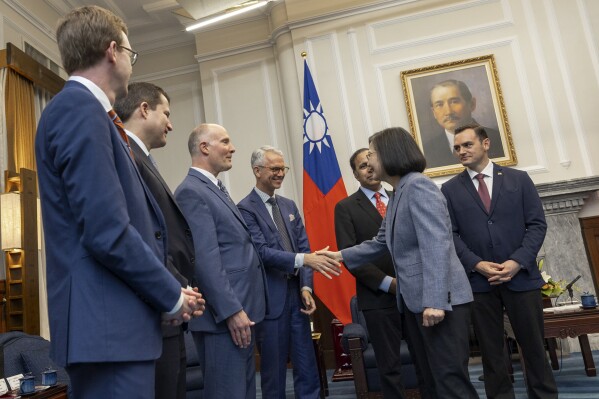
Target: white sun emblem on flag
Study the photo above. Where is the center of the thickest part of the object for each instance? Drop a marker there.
(315, 128)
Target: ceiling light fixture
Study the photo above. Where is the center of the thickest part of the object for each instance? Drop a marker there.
(229, 13)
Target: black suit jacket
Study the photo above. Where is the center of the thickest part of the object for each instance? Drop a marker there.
(514, 228)
(180, 260)
(357, 220)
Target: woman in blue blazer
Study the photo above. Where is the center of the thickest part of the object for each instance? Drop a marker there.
(434, 293)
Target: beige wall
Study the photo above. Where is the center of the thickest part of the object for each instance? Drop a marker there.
(249, 76)
(546, 54)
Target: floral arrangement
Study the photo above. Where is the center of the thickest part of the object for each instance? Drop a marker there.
(551, 286)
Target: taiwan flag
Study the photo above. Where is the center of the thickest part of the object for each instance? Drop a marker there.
(323, 188)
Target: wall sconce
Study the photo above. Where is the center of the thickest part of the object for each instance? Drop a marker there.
(10, 215)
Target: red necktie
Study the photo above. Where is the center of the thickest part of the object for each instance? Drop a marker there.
(380, 205)
(483, 191)
(120, 127)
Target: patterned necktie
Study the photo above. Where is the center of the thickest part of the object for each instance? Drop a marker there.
(276, 215)
(222, 188)
(121, 128)
(483, 191)
(380, 205)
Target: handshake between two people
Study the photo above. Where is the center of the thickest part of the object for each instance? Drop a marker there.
(325, 262)
(193, 306)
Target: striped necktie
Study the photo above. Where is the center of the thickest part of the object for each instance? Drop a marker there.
(222, 188)
(121, 128)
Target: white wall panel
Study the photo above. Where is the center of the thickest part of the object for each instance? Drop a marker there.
(437, 24)
(174, 159)
(244, 98)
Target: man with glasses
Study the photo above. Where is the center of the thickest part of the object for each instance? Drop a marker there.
(105, 235)
(132, 54)
(278, 232)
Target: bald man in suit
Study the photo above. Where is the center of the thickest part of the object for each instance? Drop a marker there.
(228, 269)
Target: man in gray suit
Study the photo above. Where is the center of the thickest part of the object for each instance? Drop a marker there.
(228, 268)
(358, 218)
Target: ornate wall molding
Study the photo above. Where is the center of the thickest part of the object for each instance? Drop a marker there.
(566, 196)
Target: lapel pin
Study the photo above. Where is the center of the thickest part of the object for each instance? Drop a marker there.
(499, 174)
(291, 217)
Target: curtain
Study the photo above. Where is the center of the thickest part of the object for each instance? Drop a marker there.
(42, 97)
(20, 121)
(3, 149)
(3, 152)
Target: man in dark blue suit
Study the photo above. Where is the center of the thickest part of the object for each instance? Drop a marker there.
(277, 229)
(105, 234)
(228, 269)
(499, 226)
(145, 112)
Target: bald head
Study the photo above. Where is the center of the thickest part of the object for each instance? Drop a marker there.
(211, 148)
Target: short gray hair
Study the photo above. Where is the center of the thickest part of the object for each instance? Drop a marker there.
(258, 154)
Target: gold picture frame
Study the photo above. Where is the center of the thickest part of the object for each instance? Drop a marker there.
(431, 125)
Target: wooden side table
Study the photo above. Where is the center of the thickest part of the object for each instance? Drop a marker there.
(55, 392)
(572, 324)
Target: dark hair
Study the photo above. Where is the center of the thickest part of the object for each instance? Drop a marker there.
(84, 34)
(464, 90)
(398, 152)
(352, 159)
(138, 93)
(480, 131)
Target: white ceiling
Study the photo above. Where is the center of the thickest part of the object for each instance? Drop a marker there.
(156, 24)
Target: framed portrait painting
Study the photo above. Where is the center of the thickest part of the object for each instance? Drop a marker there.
(442, 97)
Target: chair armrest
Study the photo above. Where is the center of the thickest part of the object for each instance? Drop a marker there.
(354, 330)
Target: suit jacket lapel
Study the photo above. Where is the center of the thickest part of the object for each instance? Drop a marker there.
(469, 186)
(364, 202)
(392, 210)
(497, 184)
(262, 211)
(285, 213)
(211, 186)
(145, 160)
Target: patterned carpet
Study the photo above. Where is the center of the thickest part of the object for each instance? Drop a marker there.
(572, 381)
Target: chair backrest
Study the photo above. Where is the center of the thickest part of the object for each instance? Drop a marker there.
(356, 314)
(23, 353)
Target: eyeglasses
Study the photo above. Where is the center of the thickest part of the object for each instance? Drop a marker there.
(369, 154)
(276, 170)
(133, 54)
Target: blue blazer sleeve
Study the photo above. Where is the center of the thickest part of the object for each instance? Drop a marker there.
(299, 232)
(362, 253)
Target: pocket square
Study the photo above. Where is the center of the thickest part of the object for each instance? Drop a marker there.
(291, 217)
